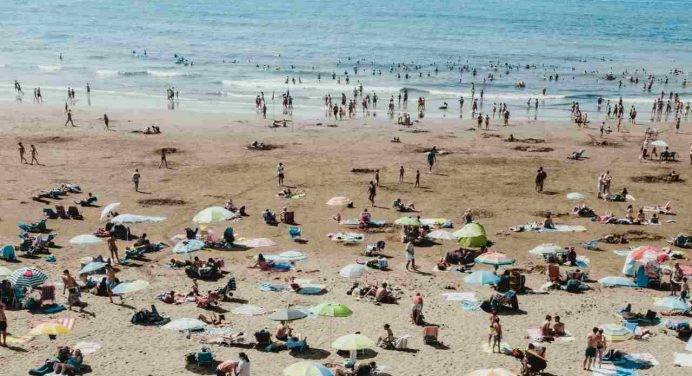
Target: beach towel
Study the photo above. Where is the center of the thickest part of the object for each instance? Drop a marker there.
(470, 305)
(87, 348)
(536, 227)
(613, 370)
(216, 331)
(346, 237)
(310, 290)
(352, 222)
(50, 309)
(682, 359)
(458, 296)
(272, 287)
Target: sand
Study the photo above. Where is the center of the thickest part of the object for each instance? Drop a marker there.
(211, 163)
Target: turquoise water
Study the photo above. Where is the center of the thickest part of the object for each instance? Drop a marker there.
(242, 48)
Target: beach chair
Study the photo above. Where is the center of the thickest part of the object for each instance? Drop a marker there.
(60, 210)
(204, 357)
(8, 254)
(430, 334)
(50, 213)
(47, 294)
(73, 212)
(19, 295)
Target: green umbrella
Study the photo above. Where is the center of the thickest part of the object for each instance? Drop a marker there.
(472, 235)
(332, 309)
(407, 221)
(353, 342)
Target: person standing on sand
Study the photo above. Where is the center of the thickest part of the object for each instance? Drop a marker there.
(70, 285)
(69, 117)
(401, 174)
(410, 254)
(164, 161)
(34, 154)
(432, 158)
(591, 351)
(417, 184)
(22, 152)
(377, 178)
(135, 179)
(106, 121)
(372, 192)
(280, 173)
(3, 326)
(541, 175)
(497, 335)
(113, 249)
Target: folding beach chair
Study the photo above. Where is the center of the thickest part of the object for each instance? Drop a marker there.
(47, 294)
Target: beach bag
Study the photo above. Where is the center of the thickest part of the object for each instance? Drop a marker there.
(401, 343)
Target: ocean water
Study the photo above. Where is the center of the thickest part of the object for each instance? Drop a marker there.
(242, 48)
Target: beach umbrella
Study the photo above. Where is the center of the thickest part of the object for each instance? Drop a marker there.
(339, 201)
(482, 277)
(188, 246)
(135, 218)
(130, 287)
(492, 372)
(92, 267)
(4, 272)
(307, 368)
(616, 333)
(547, 249)
(617, 281)
(85, 240)
(353, 342)
(107, 209)
(495, 259)
(441, 235)
(672, 303)
(256, 243)
(575, 196)
(648, 253)
(332, 309)
(407, 221)
(249, 310)
(185, 324)
(659, 143)
(353, 271)
(49, 329)
(287, 315)
(27, 277)
(292, 255)
(213, 214)
(472, 235)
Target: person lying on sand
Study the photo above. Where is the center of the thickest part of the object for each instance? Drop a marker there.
(400, 206)
(212, 319)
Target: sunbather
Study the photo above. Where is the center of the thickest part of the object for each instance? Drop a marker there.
(548, 222)
(386, 339)
(400, 206)
(283, 331)
(213, 319)
(71, 365)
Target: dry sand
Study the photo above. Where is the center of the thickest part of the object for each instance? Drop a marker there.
(212, 163)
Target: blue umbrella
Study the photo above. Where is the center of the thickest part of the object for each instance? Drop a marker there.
(482, 277)
(92, 267)
(617, 281)
(672, 303)
(188, 246)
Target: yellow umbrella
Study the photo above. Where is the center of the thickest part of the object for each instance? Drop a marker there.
(49, 328)
(492, 372)
(353, 342)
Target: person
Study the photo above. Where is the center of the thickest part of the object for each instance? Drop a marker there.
(558, 327)
(22, 152)
(546, 330)
(541, 175)
(69, 118)
(432, 158)
(243, 368)
(70, 285)
(382, 293)
(591, 351)
(410, 256)
(417, 184)
(600, 346)
(135, 179)
(106, 121)
(3, 326)
(34, 154)
(401, 174)
(283, 331)
(211, 320)
(684, 290)
(386, 339)
(372, 192)
(280, 173)
(497, 335)
(467, 217)
(111, 281)
(417, 309)
(377, 177)
(70, 365)
(548, 222)
(227, 368)
(113, 249)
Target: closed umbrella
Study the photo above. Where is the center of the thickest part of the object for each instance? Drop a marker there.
(575, 196)
(672, 303)
(188, 246)
(213, 214)
(353, 342)
(332, 309)
(49, 329)
(353, 271)
(617, 281)
(249, 310)
(492, 372)
(130, 287)
(135, 218)
(407, 221)
(472, 235)
(547, 249)
(494, 258)
(107, 209)
(185, 324)
(85, 240)
(482, 277)
(307, 368)
(616, 333)
(339, 201)
(256, 243)
(287, 315)
(441, 235)
(92, 267)
(27, 277)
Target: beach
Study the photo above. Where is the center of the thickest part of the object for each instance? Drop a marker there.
(211, 163)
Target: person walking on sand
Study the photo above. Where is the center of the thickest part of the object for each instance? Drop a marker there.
(417, 184)
(432, 158)
(372, 192)
(410, 256)
(541, 175)
(34, 154)
(135, 179)
(113, 249)
(497, 335)
(280, 173)
(3, 326)
(70, 285)
(401, 174)
(69, 118)
(106, 121)
(591, 351)
(22, 153)
(164, 161)
(377, 177)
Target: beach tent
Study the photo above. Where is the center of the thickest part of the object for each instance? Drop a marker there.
(472, 235)
(642, 255)
(482, 277)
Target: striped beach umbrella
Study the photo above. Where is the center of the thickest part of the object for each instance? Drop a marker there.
(27, 277)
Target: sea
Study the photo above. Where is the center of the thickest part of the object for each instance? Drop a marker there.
(220, 54)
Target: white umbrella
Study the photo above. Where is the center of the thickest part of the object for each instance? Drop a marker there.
(188, 246)
(129, 287)
(659, 143)
(92, 267)
(287, 315)
(547, 249)
(135, 218)
(353, 271)
(575, 196)
(249, 310)
(85, 240)
(214, 214)
(338, 201)
(441, 235)
(107, 209)
(185, 324)
(256, 243)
